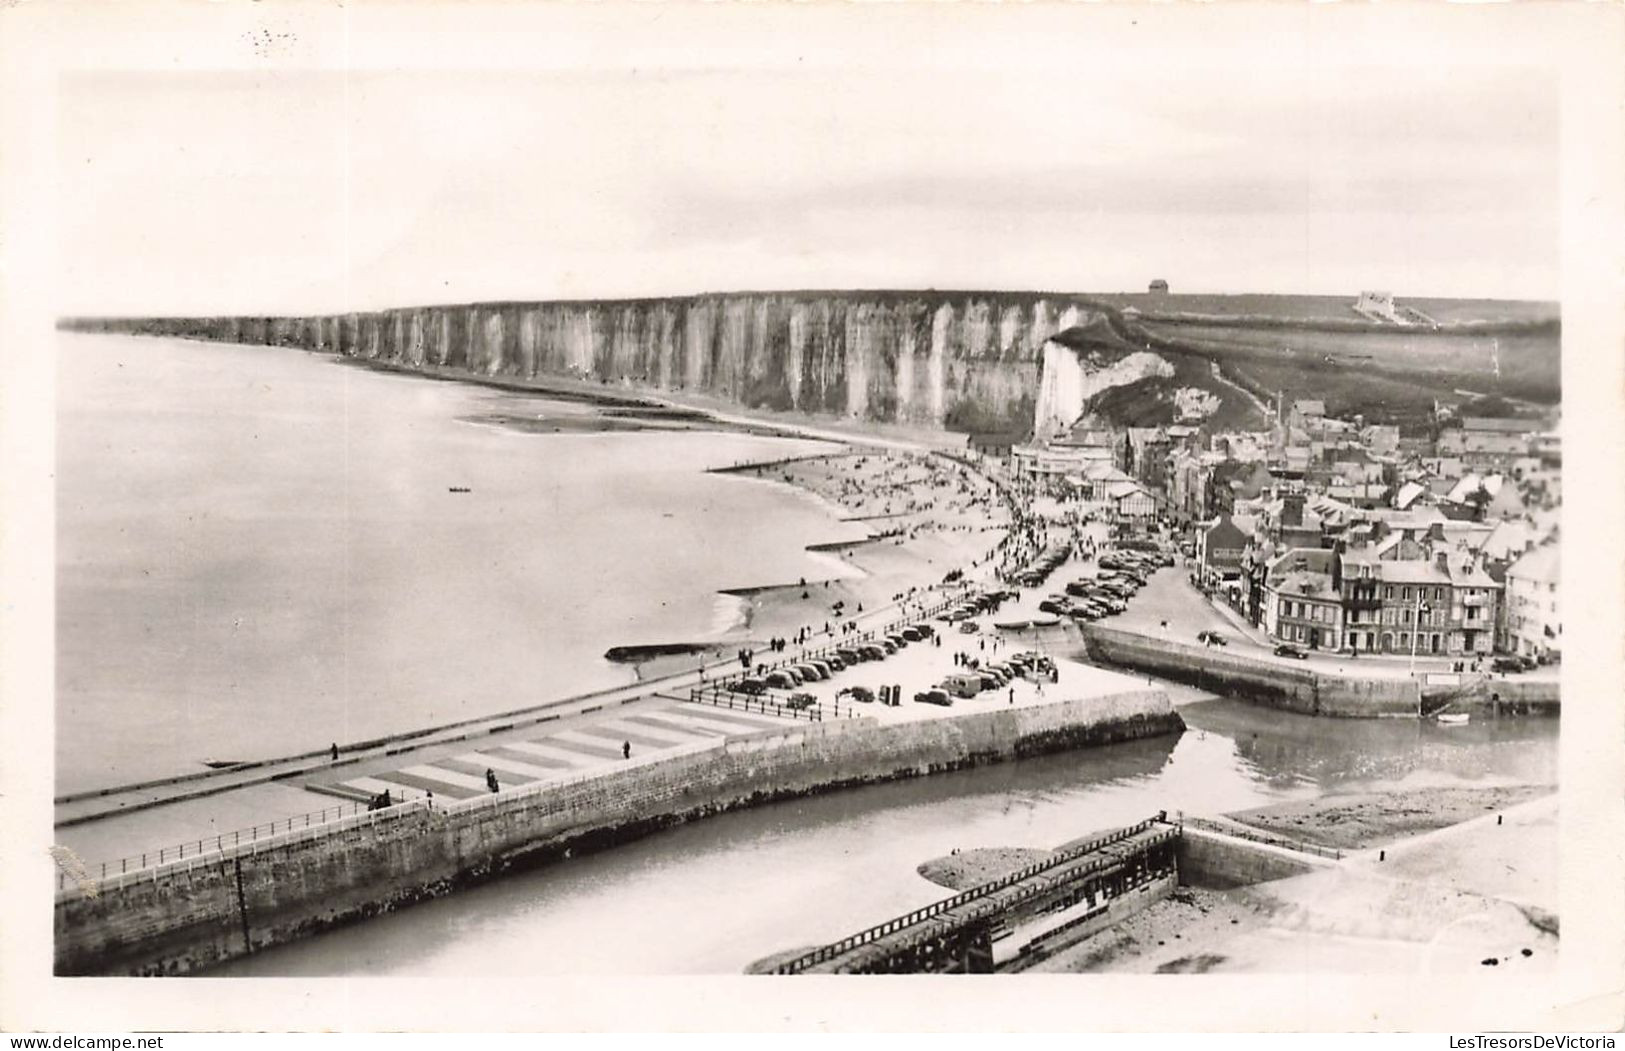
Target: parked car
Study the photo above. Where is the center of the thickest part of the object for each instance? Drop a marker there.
(925, 630)
(912, 633)
(799, 701)
(781, 680)
(1285, 650)
(873, 651)
(850, 655)
(934, 697)
(970, 627)
(862, 694)
(962, 685)
(1511, 663)
(753, 687)
(1212, 638)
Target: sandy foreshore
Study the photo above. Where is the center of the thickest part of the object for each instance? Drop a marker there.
(971, 868)
(1438, 884)
(1362, 820)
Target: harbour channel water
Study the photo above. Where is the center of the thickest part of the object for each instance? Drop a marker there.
(714, 896)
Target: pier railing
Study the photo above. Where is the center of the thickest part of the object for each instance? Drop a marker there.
(74, 878)
(770, 703)
(892, 926)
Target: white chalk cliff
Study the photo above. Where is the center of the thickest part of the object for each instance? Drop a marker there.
(1068, 382)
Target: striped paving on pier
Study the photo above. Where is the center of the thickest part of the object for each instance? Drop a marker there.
(591, 745)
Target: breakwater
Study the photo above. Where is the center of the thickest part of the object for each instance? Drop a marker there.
(1311, 692)
(232, 902)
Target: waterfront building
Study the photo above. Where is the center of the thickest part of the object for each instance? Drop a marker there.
(1534, 625)
(1302, 603)
(1134, 503)
(1439, 606)
(1053, 462)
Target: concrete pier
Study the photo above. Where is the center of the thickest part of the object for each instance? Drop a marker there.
(228, 902)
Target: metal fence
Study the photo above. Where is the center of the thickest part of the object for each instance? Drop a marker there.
(216, 849)
(827, 952)
(772, 702)
(102, 871)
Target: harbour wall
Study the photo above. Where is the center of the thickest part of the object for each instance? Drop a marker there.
(1301, 689)
(1220, 862)
(240, 900)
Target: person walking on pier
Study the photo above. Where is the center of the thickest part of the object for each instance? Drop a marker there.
(626, 749)
(335, 751)
(491, 780)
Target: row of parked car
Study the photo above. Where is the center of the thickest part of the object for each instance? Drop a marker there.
(987, 677)
(1041, 567)
(1122, 573)
(817, 669)
(986, 602)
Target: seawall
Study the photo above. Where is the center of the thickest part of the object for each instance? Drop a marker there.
(1220, 862)
(188, 916)
(1301, 689)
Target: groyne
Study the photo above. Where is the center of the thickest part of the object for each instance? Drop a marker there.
(226, 903)
(1309, 691)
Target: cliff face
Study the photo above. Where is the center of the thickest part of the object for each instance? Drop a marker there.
(957, 361)
(962, 364)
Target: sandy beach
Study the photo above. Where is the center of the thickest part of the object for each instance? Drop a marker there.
(919, 518)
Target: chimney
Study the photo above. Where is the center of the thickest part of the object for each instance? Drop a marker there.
(1292, 509)
(1442, 560)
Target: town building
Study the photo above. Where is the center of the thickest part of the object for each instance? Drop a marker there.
(1439, 606)
(1301, 602)
(1051, 462)
(1534, 625)
(1219, 546)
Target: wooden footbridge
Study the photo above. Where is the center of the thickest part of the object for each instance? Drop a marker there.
(997, 923)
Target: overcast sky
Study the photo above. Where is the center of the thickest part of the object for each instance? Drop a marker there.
(1093, 167)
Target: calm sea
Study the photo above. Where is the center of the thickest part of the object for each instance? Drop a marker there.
(259, 551)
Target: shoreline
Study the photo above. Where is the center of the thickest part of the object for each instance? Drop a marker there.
(911, 554)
